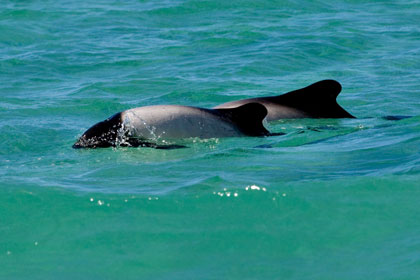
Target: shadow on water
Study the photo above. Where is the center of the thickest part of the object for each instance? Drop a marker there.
(313, 131)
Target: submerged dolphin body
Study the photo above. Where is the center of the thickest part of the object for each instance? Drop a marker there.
(315, 101)
(144, 126)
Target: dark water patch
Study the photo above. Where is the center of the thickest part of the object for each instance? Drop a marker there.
(396, 118)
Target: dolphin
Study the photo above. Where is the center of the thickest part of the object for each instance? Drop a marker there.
(144, 126)
(315, 101)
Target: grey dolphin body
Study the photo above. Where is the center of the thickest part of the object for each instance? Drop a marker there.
(144, 126)
(315, 101)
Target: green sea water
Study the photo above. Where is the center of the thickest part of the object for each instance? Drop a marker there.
(330, 199)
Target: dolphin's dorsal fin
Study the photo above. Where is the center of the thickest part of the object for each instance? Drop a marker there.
(248, 118)
(318, 100)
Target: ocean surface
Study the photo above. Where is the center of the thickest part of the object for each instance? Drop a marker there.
(330, 199)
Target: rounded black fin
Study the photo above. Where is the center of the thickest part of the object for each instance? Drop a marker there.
(248, 118)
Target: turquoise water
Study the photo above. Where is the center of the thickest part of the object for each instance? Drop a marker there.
(330, 199)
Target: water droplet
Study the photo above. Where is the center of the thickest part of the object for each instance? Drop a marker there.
(255, 187)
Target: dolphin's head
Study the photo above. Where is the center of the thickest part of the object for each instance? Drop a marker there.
(101, 135)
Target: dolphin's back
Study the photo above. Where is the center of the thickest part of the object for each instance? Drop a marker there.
(315, 101)
(146, 126)
(175, 121)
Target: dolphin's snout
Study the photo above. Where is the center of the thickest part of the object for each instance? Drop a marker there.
(77, 145)
(101, 135)
(82, 143)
